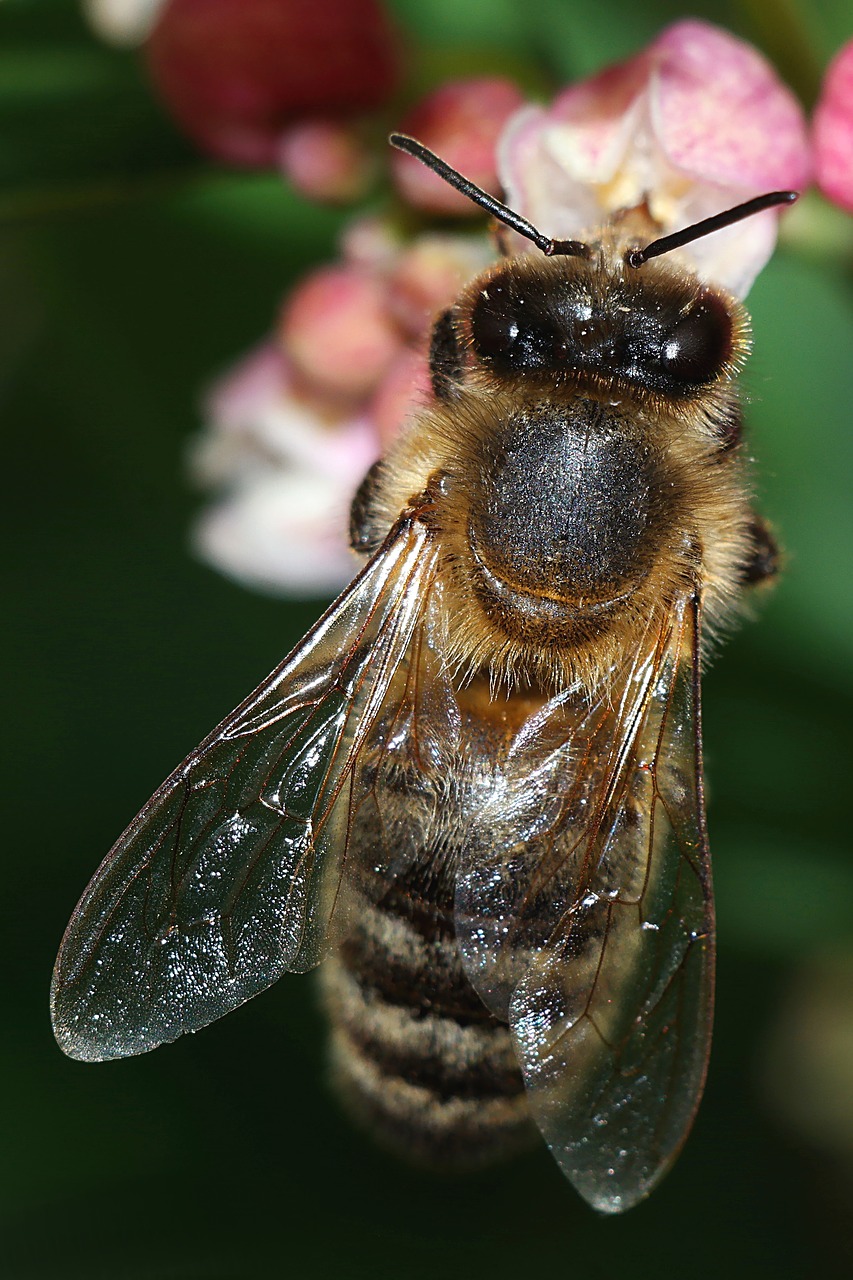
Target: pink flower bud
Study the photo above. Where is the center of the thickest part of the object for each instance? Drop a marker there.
(325, 160)
(833, 130)
(430, 274)
(461, 122)
(371, 242)
(338, 331)
(235, 72)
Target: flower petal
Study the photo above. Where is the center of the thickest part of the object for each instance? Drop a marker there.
(258, 422)
(287, 532)
(125, 23)
(723, 115)
(833, 130)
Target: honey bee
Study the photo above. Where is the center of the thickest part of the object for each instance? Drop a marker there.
(475, 788)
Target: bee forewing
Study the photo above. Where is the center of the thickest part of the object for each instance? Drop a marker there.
(612, 1020)
(231, 874)
(515, 885)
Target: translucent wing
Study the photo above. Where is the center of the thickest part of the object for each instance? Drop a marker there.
(233, 873)
(521, 868)
(591, 928)
(612, 1021)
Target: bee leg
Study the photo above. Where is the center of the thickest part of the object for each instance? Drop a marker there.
(445, 358)
(366, 530)
(728, 429)
(763, 556)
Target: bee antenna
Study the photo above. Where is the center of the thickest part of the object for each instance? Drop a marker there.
(636, 257)
(551, 248)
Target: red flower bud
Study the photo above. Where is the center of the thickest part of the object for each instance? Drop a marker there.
(235, 72)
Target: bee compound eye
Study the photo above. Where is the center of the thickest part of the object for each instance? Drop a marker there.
(446, 362)
(495, 325)
(698, 344)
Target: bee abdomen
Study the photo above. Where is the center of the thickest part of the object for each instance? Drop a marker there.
(416, 1056)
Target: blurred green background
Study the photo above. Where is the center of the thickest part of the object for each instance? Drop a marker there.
(132, 272)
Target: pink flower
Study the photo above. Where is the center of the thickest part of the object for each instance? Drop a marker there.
(236, 74)
(833, 130)
(338, 329)
(696, 123)
(326, 160)
(293, 429)
(286, 470)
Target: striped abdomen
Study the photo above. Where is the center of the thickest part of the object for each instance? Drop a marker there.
(417, 1056)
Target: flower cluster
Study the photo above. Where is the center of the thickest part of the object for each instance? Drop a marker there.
(267, 83)
(695, 123)
(297, 424)
(293, 429)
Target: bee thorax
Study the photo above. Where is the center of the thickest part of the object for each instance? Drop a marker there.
(566, 507)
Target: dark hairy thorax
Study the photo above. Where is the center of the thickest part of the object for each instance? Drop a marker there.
(594, 485)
